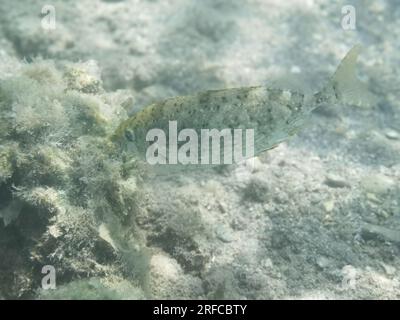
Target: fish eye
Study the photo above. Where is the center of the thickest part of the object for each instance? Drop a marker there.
(129, 135)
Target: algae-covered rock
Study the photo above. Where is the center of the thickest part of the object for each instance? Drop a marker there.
(61, 179)
(84, 78)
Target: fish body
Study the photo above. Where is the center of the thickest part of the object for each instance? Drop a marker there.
(274, 114)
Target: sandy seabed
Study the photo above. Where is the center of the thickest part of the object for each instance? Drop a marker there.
(318, 217)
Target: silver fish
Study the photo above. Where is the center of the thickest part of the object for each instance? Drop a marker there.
(274, 114)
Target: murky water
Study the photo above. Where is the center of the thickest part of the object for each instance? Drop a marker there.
(84, 217)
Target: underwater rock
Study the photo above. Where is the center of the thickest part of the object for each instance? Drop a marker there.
(329, 205)
(335, 181)
(84, 78)
(392, 134)
(375, 232)
(324, 262)
(377, 184)
(84, 208)
(163, 268)
(224, 234)
(167, 279)
(61, 179)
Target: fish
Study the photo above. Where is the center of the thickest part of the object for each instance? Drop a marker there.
(272, 114)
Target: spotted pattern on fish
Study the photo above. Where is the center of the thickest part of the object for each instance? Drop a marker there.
(275, 114)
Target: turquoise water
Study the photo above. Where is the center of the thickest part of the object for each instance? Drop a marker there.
(83, 218)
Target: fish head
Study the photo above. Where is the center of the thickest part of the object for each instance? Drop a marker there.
(126, 137)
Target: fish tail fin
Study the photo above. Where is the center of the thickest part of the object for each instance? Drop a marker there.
(347, 87)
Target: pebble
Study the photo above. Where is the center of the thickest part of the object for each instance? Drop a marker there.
(323, 262)
(267, 263)
(377, 184)
(222, 206)
(327, 219)
(349, 274)
(373, 198)
(54, 231)
(335, 181)
(392, 134)
(374, 231)
(224, 234)
(389, 270)
(329, 205)
(295, 69)
(315, 199)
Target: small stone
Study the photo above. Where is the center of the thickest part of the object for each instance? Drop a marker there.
(329, 205)
(373, 198)
(286, 95)
(383, 214)
(224, 234)
(315, 199)
(268, 208)
(392, 134)
(54, 231)
(390, 270)
(350, 275)
(281, 198)
(328, 219)
(372, 231)
(323, 262)
(222, 206)
(295, 69)
(335, 181)
(267, 263)
(377, 184)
